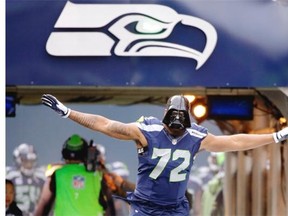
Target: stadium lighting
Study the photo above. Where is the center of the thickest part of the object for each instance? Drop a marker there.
(198, 109)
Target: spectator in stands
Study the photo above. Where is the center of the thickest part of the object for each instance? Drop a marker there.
(27, 178)
(11, 206)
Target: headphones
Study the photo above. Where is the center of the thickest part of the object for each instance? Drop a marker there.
(75, 148)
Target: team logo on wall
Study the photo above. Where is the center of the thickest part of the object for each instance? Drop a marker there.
(125, 30)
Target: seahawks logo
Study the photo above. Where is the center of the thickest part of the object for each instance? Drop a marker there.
(103, 30)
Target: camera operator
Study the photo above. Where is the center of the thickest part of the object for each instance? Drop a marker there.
(76, 188)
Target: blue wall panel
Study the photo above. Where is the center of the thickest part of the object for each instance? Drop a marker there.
(251, 48)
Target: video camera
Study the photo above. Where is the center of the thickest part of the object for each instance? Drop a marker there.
(92, 158)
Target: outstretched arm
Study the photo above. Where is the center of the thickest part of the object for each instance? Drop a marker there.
(104, 125)
(98, 123)
(240, 142)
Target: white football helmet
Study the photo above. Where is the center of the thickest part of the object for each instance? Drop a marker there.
(25, 158)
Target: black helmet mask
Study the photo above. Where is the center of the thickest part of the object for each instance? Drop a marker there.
(177, 113)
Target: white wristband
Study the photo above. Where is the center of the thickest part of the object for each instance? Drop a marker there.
(280, 135)
(67, 114)
(276, 140)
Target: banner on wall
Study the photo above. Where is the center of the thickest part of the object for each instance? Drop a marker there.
(147, 43)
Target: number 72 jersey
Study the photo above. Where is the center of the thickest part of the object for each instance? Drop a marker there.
(165, 164)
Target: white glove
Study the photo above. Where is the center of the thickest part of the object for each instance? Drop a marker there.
(57, 106)
(281, 135)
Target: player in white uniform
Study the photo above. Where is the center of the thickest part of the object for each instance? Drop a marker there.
(27, 178)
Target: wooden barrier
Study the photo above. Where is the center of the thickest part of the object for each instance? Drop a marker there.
(257, 184)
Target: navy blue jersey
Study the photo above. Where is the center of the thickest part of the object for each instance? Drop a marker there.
(165, 165)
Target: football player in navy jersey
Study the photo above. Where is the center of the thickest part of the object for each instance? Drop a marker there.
(166, 149)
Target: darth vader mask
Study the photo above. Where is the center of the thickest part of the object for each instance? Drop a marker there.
(177, 113)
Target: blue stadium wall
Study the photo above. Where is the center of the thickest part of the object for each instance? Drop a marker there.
(189, 43)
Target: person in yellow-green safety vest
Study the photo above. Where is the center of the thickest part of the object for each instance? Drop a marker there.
(72, 189)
